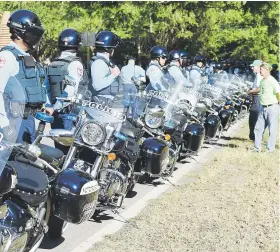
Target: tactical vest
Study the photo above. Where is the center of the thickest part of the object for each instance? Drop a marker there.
(30, 77)
(169, 77)
(164, 79)
(110, 90)
(56, 72)
(196, 69)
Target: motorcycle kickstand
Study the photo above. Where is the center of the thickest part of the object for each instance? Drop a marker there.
(115, 211)
(191, 157)
(166, 179)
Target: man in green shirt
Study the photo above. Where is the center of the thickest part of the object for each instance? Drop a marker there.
(269, 98)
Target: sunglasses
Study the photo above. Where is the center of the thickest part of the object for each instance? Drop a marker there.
(164, 57)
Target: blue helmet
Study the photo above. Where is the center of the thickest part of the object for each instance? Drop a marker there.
(183, 54)
(26, 25)
(218, 66)
(174, 55)
(68, 39)
(107, 39)
(158, 51)
(199, 58)
(185, 57)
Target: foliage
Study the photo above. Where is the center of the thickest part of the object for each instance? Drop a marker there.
(239, 30)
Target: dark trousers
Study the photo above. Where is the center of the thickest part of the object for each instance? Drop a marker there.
(254, 114)
(253, 118)
(25, 128)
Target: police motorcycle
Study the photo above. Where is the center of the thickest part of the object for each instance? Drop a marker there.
(222, 92)
(207, 116)
(158, 116)
(193, 129)
(23, 188)
(64, 188)
(23, 196)
(99, 148)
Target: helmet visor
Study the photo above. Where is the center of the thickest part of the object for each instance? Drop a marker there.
(33, 35)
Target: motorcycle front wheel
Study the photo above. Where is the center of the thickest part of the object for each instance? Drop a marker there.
(56, 225)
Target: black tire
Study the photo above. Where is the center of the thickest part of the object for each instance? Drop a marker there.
(57, 227)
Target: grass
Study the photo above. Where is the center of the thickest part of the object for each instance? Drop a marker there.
(232, 205)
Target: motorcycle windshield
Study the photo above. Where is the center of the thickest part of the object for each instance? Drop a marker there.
(161, 101)
(213, 93)
(109, 113)
(12, 108)
(189, 97)
(237, 83)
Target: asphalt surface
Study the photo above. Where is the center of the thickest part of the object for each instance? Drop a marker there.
(79, 238)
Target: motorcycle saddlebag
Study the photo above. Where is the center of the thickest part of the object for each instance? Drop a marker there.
(238, 106)
(211, 125)
(75, 195)
(155, 156)
(193, 136)
(32, 186)
(225, 117)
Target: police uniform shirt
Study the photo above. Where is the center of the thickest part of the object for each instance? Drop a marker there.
(195, 75)
(100, 73)
(75, 70)
(8, 67)
(131, 70)
(178, 75)
(156, 76)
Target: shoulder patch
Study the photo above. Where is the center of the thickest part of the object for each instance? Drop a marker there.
(2, 61)
(80, 71)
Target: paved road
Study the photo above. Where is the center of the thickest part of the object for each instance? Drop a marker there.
(78, 238)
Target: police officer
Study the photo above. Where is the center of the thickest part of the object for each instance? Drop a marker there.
(196, 71)
(130, 74)
(103, 72)
(219, 74)
(15, 61)
(185, 62)
(154, 72)
(175, 71)
(69, 64)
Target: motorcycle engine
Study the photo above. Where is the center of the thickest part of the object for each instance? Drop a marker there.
(112, 186)
(12, 237)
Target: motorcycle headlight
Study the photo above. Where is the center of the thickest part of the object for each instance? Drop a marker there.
(152, 121)
(92, 134)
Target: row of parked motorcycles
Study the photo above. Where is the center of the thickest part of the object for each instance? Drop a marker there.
(136, 137)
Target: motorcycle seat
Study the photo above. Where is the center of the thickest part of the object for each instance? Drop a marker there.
(51, 151)
(130, 131)
(32, 186)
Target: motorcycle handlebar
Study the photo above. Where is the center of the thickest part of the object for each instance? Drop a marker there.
(24, 148)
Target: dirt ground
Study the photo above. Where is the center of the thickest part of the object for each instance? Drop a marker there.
(231, 205)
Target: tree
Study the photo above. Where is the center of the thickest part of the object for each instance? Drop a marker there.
(239, 30)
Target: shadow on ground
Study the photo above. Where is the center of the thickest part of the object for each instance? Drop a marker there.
(242, 139)
(99, 217)
(49, 243)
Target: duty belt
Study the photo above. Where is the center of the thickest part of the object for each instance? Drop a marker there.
(31, 110)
